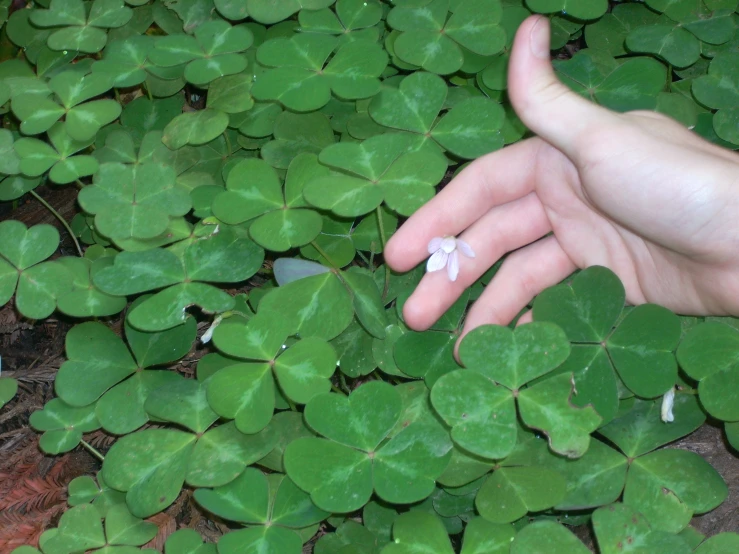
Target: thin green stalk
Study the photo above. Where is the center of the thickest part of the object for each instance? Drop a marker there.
(148, 92)
(61, 219)
(342, 380)
(383, 240)
(92, 450)
(364, 259)
(228, 142)
(323, 253)
(337, 389)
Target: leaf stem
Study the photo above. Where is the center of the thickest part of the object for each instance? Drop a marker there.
(383, 240)
(92, 450)
(148, 92)
(228, 143)
(61, 219)
(342, 380)
(323, 253)
(364, 259)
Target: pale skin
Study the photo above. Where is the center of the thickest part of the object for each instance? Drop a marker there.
(635, 192)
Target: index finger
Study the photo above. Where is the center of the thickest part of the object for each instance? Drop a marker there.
(494, 179)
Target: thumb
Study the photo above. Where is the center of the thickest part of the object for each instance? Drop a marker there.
(545, 105)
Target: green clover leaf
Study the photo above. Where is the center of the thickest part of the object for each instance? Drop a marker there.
(254, 191)
(188, 541)
(579, 9)
(430, 354)
(134, 201)
(708, 353)
(470, 129)
(295, 134)
(354, 348)
(267, 11)
(86, 490)
(80, 529)
(639, 429)
(63, 425)
(231, 94)
(15, 186)
(511, 359)
(633, 83)
(511, 492)
(646, 338)
(436, 44)
(272, 502)
(86, 300)
(334, 240)
(386, 167)
(9, 160)
(211, 52)
(669, 486)
(36, 284)
(672, 43)
(341, 471)
(245, 391)
(72, 88)
(618, 525)
(317, 306)
(608, 33)
(152, 465)
(222, 257)
(302, 80)
(126, 61)
(8, 388)
(482, 415)
(37, 156)
(723, 542)
(81, 30)
(419, 532)
(99, 364)
(196, 128)
(547, 536)
(350, 20)
(588, 309)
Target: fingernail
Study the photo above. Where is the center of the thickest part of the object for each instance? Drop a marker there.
(539, 39)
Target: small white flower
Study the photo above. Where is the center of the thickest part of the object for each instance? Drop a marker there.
(209, 333)
(445, 253)
(667, 402)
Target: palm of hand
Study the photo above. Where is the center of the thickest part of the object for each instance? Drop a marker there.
(648, 202)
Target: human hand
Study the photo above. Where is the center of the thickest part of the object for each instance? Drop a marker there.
(635, 192)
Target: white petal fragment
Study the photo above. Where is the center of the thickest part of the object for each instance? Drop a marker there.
(465, 248)
(435, 244)
(668, 400)
(453, 266)
(437, 261)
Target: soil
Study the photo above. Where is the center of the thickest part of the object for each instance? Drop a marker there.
(33, 486)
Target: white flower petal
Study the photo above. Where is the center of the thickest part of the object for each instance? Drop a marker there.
(448, 244)
(465, 248)
(437, 261)
(668, 400)
(435, 244)
(453, 266)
